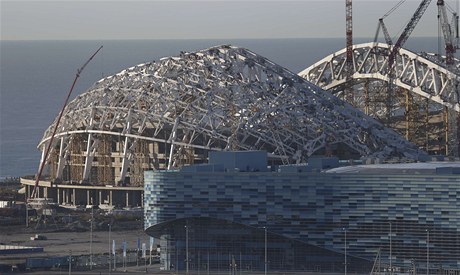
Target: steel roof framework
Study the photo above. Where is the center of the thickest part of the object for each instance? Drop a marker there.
(221, 98)
(420, 73)
(421, 76)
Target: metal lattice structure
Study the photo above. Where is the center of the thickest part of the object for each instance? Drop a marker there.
(426, 88)
(170, 113)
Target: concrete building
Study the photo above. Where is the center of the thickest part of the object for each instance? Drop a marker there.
(81, 195)
(219, 212)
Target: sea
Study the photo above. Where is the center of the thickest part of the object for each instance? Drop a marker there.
(35, 77)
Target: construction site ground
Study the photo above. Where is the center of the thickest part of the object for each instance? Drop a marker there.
(65, 239)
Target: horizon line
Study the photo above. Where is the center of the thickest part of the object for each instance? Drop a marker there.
(234, 38)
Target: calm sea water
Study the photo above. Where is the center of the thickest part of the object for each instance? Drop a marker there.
(35, 77)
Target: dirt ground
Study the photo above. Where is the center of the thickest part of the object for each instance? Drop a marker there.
(64, 243)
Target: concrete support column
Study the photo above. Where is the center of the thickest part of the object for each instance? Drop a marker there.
(100, 197)
(127, 199)
(110, 197)
(172, 138)
(88, 201)
(42, 159)
(88, 158)
(73, 197)
(61, 160)
(124, 162)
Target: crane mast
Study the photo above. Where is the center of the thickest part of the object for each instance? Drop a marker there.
(349, 45)
(349, 32)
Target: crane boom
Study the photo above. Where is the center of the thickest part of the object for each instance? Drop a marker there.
(45, 156)
(385, 32)
(408, 30)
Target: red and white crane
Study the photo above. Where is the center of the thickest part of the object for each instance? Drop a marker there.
(50, 143)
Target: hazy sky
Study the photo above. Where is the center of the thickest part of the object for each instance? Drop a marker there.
(65, 19)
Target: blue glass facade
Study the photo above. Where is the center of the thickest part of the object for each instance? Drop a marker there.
(413, 212)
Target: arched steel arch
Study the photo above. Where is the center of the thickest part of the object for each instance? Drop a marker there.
(419, 73)
(422, 101)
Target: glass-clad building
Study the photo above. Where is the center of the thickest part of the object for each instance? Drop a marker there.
(235, 213)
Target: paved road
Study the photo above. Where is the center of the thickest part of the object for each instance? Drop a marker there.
(154, 269)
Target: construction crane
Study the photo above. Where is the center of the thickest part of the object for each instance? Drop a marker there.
(382, 25)
(393, 50)
(448, 31)
(349, 44)
(386, 34)
(50, 143)
(349, 33)
(407, 31)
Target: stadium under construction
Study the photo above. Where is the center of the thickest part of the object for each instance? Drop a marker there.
(173, 113)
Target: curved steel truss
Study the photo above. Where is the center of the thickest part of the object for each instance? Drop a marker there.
(420, 73)
(168, 113)
(420, 100)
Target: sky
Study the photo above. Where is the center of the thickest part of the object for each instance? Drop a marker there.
(212, 19)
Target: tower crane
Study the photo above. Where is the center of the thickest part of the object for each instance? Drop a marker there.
(349, 32)
(349, 44)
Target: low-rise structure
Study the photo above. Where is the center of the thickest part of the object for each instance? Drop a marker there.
(217, 214)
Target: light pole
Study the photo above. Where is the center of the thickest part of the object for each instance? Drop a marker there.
(27, 212)
(70, 262)
(391, 268)
(186, 249)
(345, 250)
(91, 241)
(266, 263)
(110, 258)
(427, 252)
